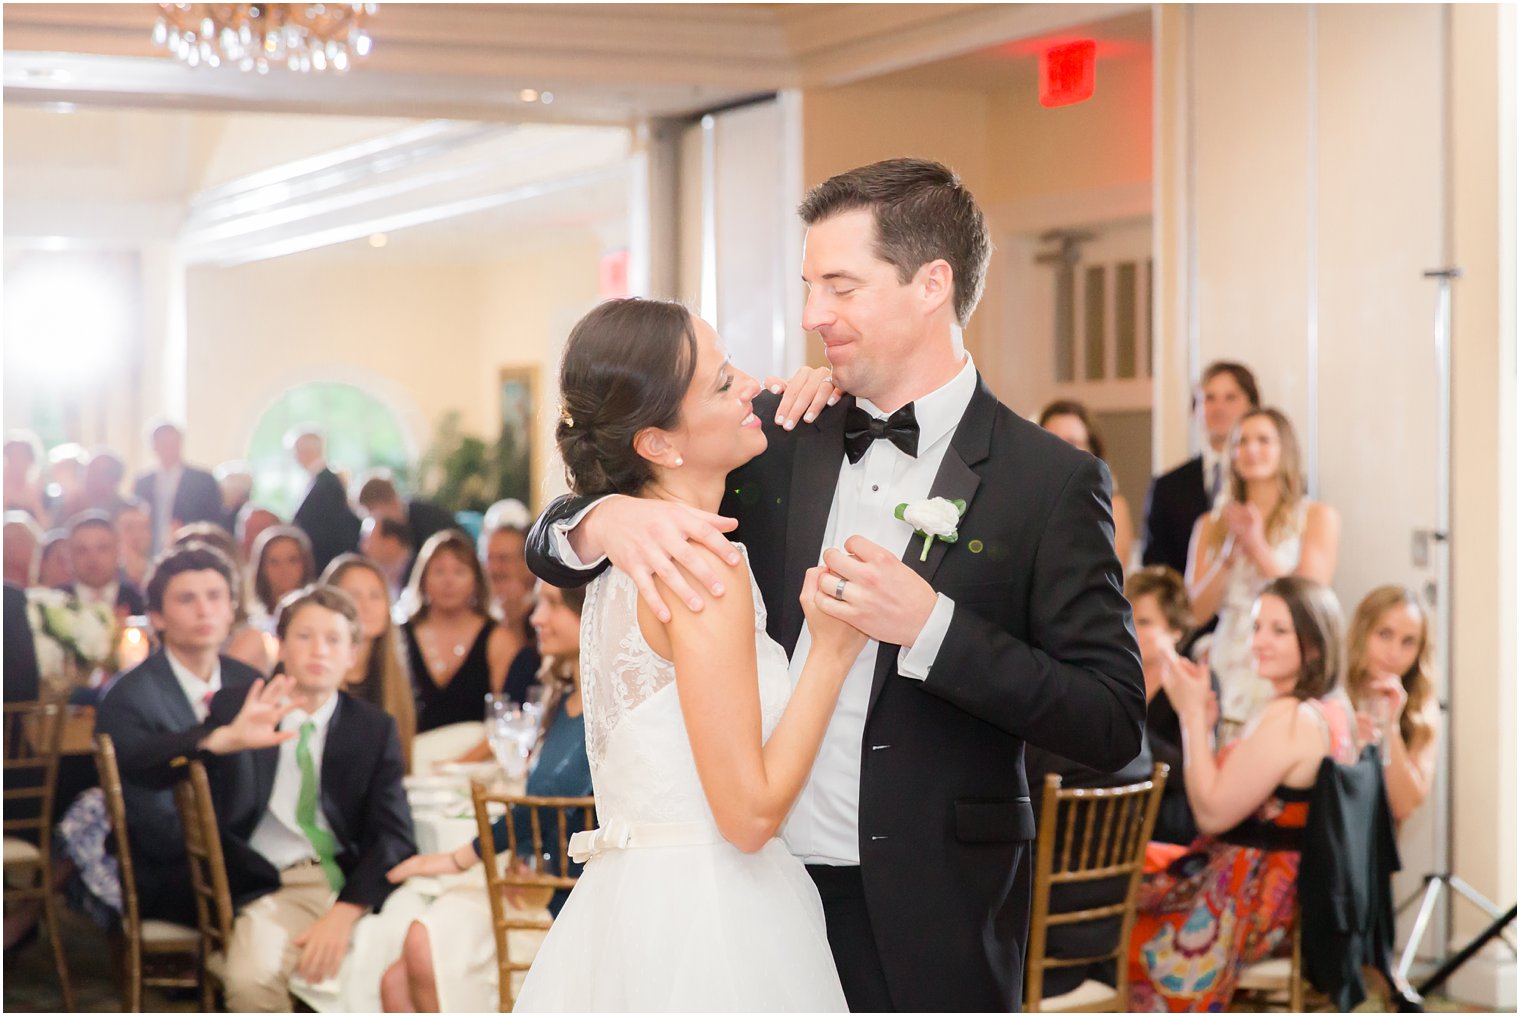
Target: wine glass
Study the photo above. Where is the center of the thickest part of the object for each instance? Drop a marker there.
(533, 699)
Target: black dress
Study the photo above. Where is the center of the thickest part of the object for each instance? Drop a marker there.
(462, 700)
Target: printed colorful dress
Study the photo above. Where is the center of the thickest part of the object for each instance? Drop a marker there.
(1227, 902)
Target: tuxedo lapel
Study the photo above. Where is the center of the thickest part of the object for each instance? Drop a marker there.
(957, 480)
(815, 475)
(177, 708)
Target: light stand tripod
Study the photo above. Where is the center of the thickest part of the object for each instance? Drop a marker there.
(1434, 882)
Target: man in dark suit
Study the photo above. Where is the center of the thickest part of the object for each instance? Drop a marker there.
(324, 512)
(95, 552)
(157, 712)
(1176, 499)
(319, 816)
(916, 821)
(379, 499)
(176, 494)
(21, 677)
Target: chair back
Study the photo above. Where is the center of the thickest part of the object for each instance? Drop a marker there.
(1087, 835)
(203, 851)
(506, 918)
(116, 811)
(33, 732)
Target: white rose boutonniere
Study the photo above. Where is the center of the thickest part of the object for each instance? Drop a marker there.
(934, 519)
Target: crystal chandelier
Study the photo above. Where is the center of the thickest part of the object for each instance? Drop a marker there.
(301, 37)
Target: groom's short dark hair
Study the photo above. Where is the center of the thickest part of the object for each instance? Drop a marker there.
(923, 213)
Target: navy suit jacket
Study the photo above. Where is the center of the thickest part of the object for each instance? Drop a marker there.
(152, 724)
(1040, 648)
(198, 498)
(361, 797)
(1172, 507)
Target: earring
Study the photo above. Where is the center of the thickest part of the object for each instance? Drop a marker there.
(679, 460)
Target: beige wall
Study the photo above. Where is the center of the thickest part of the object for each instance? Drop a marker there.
(1302, 156)
(426, 338)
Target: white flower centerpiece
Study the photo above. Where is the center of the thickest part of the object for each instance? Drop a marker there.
(935, 518)
(72, 638)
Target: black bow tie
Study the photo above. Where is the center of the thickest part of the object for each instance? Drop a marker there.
(861, 428)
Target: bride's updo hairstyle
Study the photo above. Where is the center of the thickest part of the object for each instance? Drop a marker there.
(627, 366)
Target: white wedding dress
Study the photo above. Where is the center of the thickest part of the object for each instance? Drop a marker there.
(669, 916)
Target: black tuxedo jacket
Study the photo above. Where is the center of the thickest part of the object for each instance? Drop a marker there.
(1172, 507)
(128, 596)
(327, 519)
(198, 498)
(151, 724)
(21, 676)
(1040, 648)
(361, 797)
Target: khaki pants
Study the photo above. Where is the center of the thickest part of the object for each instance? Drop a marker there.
(262, 954)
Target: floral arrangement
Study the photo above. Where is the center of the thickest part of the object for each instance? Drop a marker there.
(72, 638)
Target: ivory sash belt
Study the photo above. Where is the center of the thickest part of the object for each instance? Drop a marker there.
(631, 835)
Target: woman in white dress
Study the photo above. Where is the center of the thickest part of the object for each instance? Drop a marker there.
(1264, 529)
(697, 741)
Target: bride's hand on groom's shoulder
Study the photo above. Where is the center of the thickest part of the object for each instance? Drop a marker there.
(806, 394)
(646, 538)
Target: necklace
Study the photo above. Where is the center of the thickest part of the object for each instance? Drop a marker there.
(439, 662)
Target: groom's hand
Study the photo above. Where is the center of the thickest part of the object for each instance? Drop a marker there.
(883, 597)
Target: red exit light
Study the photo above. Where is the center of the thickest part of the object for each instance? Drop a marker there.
(1068, 73)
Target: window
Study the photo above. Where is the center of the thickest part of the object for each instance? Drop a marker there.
(362, 433)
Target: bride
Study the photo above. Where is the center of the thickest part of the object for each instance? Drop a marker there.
(698, 742)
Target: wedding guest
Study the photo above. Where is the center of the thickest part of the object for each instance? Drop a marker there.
(282, 562)
(501, 547)
(235, 480)
(54, 569)
(176, 493)
(310, 829)
(134, 532)
(64, 494)
(102, 482)
(95, 553)
(157, 711)
(1265, 527)
(244, 642)
(455, 651)
(252, 520)
(1163, 620)
(1176, 499)
(22, 539)
(379, 498)
(378, 674)
(20, 674)
(1228, 900)
(448, 961)
(1071, 422)
(324, 512)
(1391, 677)
(388, 543)
(23, 452)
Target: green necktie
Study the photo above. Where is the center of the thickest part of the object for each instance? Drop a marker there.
(306, 810)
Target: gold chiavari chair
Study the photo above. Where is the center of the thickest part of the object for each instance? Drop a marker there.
(145, 942)
(537, 883)
(1085, 836)
(208, 874)
(33, 731)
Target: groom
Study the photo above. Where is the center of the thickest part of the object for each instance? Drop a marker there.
(915, 823)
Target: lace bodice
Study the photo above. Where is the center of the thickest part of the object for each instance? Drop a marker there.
(636, 740)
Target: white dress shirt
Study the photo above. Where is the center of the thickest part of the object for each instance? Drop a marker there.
(1211, 459)
(278, 836)
(196, 690)
(106, 594)
(824, 826)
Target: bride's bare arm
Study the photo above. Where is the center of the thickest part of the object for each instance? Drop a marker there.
(751, 785)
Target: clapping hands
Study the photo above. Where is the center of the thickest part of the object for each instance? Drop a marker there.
(1247, 529)
(1187, 687)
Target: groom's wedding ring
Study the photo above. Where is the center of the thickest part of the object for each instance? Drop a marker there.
(839, 589)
